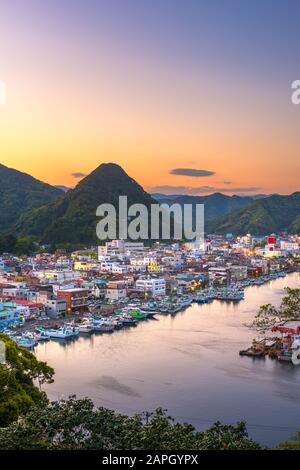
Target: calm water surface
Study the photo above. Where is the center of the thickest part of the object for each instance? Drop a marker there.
(189, 364)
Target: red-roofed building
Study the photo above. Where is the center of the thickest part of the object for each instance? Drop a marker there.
(31, 309)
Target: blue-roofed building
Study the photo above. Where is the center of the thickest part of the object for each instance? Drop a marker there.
(9, 314)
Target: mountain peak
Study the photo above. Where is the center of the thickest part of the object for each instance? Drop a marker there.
(108, 168)
(103, 174)
(73, 218)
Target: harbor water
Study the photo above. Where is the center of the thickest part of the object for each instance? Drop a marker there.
(189, 364)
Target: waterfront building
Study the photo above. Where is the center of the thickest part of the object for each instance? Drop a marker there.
(9, 315)
(28, 310)
(76, 299)
(55, 307)
(155, 286)
(238, 273)
(219, 275)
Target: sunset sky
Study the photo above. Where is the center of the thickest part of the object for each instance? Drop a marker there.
(161, 87)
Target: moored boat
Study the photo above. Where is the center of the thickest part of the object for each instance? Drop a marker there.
(25, 342)
(63, 332)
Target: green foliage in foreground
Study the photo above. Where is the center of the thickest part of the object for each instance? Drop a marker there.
(77, 424)
(269, 316)
(18, 393)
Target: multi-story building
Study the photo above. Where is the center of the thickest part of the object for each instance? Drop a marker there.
(113, 267)
(55, 307)
(155, 286)
(58, 275)
(76, 298)
(116, 290)
(119, 246)
(219, 275)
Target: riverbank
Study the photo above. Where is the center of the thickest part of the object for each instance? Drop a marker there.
(104, 318)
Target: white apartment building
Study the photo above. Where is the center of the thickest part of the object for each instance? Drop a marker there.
(55, 307)
(157, 287)
(113, 267)
(116, 293)
(119, 246)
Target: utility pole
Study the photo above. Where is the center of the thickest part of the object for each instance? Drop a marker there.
(147, 414)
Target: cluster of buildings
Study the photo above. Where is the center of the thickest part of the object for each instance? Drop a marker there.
(58, 284)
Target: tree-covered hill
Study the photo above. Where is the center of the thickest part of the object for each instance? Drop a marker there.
(20, 192)
(72, 218)
(273, 214)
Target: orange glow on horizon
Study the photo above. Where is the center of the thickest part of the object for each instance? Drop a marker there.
(71, 112)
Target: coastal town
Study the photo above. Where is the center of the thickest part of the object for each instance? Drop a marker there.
(60, 295)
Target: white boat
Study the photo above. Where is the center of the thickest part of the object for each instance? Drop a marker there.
(64, 332)
(127, 320)
(25, 342)
(36, 336)
(85, 328)
(103, 327)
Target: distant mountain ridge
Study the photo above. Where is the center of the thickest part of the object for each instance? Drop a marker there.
(215, 205)
(52, 215)
(273, 214)
(19, 193)
(162, 196)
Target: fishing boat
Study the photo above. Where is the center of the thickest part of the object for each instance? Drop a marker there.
(174, 307)
(35, 335)
(138, 314)
(99, 325)
(128, 320)
(230, 295)
(85, 328)
(285, 356)
(201, 299)
(25, 342)
(40, 336)
(150, 307)
(64, 332)
(115, 322)
(234, 296)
